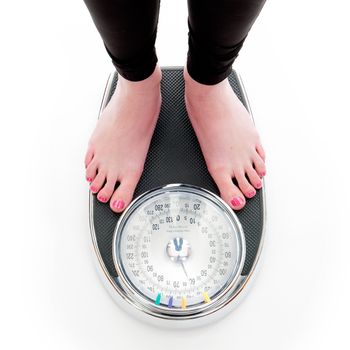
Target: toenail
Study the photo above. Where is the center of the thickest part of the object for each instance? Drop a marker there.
(263, 173)
(119, 204)
(259, 184)
(251, 194)
(102, 199)
(237, 201)
(93, 189)
(89, 179)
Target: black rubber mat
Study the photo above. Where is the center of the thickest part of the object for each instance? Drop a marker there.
(174, 156)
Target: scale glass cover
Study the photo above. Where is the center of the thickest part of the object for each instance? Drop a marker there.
(179, 251)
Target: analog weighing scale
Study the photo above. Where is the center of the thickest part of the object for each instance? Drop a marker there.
(177, 254)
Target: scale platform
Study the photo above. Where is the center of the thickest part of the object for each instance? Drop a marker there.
(175, 156)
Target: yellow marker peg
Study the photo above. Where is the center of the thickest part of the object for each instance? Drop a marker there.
(206, 297)
(183, 303)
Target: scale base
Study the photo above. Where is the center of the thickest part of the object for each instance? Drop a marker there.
(174, 156)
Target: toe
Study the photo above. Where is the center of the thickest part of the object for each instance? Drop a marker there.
(261, 151)
(228, 191)
(254, 178)
(107, 190)
(247, 189)
(98, 182)
(91, 171)
(122, 196)
(259, 165)
(88, 156)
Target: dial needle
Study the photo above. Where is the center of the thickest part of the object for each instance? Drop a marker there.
(183, 267)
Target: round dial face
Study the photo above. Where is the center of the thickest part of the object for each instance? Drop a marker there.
(178, 247)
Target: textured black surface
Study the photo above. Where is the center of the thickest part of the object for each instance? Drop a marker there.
(174, 156)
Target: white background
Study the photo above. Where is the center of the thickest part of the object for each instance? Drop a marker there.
(53, 70)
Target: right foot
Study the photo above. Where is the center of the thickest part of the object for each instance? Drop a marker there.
(119, 144)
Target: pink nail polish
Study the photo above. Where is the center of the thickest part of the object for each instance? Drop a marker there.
(237, 201)
(102, 199)
(93, 189)
(259, 184)
(89, 179)
(118, 204)
(251, 194)
(263, 173)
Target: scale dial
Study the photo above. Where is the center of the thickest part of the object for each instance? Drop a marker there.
(178, 250)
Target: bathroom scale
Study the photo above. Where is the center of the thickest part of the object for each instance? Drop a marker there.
(177, 255)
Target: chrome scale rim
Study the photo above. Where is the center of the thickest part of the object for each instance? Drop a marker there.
(136, 298)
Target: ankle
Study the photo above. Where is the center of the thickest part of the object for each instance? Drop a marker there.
(198, 90)
(151, 82)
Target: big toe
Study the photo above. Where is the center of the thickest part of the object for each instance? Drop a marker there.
(229, 192)
(122, 196)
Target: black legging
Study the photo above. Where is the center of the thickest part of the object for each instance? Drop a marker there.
(217, 30)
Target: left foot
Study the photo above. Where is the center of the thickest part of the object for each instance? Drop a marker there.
(228, 139)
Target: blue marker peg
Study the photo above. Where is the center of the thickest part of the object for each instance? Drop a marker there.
(178, 243)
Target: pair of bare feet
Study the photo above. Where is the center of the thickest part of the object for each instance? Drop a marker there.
(228, 138)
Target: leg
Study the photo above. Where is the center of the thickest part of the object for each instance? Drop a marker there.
(128, 29)
(229, 141)
(119, 144)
